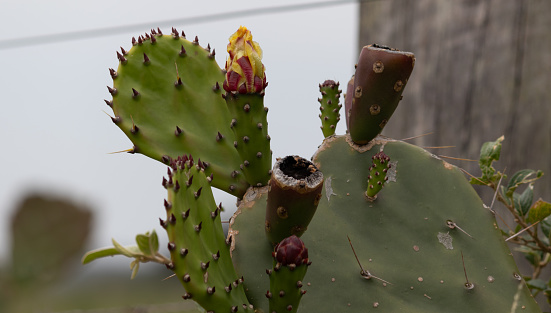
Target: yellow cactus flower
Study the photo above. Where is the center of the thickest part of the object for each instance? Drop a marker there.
(245, 71)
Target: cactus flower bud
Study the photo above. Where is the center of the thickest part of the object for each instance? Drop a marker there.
(244, 68)
(291, 250)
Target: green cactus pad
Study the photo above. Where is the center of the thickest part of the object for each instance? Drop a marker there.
(167, 99)
(402, 238)
(198, 249)
(329, 106)
(377, 175)
(250, 127)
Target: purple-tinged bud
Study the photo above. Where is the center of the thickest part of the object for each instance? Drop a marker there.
(291, 250)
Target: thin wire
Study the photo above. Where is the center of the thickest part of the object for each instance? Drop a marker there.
(115, 30)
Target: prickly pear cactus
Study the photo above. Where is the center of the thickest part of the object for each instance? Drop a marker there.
(329, 107)
(167, 98)
(403, 238)
(426, 244)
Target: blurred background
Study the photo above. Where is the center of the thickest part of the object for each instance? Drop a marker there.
(482, 71)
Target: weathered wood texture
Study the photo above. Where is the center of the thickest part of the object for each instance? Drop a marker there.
(483, 69)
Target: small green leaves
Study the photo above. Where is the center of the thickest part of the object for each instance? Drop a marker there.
(489, 153)
(539, 211)
(148, 243)
(145, 251)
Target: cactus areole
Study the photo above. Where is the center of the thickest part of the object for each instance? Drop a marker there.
(293, 197)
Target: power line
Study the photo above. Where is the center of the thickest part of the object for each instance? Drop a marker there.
(115, 30)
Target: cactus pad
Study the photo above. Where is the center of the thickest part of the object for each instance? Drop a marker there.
(167, 99)
(402, 238)
(330, 107)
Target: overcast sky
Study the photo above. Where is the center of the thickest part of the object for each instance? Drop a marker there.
(56, 137)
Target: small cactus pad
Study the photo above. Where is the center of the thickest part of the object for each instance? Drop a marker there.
(295, 191)
(380, 79)
(244, 85)
(198, 249)
(377, 174)
(330, 107)
(290, 266)
(403, 239)
(167, 99)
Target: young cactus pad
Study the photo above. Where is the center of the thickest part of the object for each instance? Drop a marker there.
(377, 175)
(402, 238)
(329, 106)
(199, 253)
(167, 99)
(290, 265)
(244, 85)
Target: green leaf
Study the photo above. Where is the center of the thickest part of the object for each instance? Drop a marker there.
(99, 253)
(522, 177)
(489, 152)
(523, 201)
(537, 284)
(539, 211)
(148, 243)
(134, 266)
(546, 226)
(131, 252)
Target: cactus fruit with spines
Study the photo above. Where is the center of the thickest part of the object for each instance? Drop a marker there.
(167, 98)
(329, 107)
(377, 174)
(290, 266)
